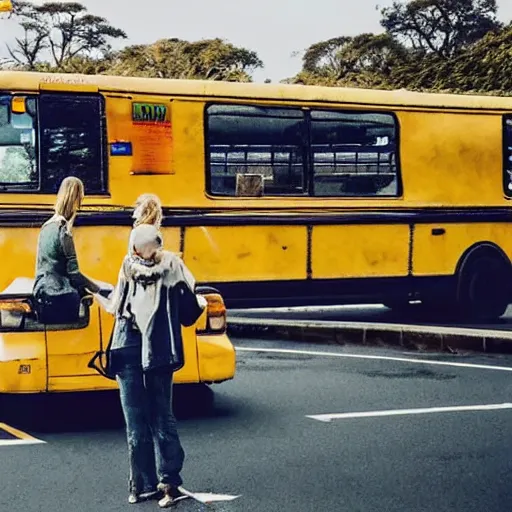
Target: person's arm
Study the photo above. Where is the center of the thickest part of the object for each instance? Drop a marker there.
(191, 305)
(112, 302)
(78, 280)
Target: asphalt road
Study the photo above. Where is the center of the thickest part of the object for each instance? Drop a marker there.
(371, 313)
(255, 439)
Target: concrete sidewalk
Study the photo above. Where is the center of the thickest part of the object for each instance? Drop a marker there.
(414, 337)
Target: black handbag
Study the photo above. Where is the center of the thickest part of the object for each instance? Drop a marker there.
(101, 361)
(61, 308)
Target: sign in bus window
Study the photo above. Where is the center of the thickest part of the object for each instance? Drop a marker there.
(250, 144)
(354, 154)
(507, 155)
(18, 128)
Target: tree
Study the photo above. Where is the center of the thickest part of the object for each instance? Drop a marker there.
(63, 31)
(363, 60)
(441, 27)
(484, 67)
(212, 59)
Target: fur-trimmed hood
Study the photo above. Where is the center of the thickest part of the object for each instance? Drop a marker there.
(170, 269)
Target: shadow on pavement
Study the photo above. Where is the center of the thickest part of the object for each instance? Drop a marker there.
(101, 410)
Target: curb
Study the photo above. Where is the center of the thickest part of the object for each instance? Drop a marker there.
(411, 337)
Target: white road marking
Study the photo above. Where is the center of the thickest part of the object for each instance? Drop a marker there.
(373, 357)
(21, 437)
(403, 412)
(15, 442)
(207, 497)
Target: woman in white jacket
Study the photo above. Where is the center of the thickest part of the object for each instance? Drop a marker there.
(153, 298)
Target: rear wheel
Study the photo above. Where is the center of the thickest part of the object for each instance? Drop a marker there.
(484, 282)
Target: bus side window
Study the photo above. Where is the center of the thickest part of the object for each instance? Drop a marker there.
(245, 141)
(507, 155)
(18, 128)
(354, 154)
(72, 141)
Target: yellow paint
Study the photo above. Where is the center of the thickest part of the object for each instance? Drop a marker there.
(217, 358)
(359, 251)
(246, 253)
(18, 349)
(439, 255)
(70, 351)
(17, 433)
(452, 159)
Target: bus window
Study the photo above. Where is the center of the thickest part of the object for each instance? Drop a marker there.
(507, 156)
(249, 140)
(18, 168)
(72, 141)
(354, 154)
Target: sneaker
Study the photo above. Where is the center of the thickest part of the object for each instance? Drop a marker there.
(145, 496)
(171, 495)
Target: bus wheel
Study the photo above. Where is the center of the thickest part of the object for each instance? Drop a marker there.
(484, 282)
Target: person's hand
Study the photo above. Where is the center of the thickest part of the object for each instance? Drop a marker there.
(202, 302)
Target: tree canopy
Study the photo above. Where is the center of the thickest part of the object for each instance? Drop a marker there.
(65, 37)
(437, 45)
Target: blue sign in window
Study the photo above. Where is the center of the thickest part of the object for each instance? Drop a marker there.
(121, 149)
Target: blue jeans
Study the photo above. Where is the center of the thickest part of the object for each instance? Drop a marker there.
(154, 447)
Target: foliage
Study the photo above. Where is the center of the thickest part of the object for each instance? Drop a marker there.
(211, 59)
(442, 27)
(61, 31)
(436, 45)
(65, 37)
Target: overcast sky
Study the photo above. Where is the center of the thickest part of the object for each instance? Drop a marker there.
(273, 28)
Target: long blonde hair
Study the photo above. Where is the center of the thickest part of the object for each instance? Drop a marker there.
(69, 199)
(148, 210)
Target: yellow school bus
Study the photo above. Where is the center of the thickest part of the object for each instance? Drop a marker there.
(274, 194)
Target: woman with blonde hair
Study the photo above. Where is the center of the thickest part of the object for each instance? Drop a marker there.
(59, 285)
(148, 210)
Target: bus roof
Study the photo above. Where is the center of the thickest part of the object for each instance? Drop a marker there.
(32, 81)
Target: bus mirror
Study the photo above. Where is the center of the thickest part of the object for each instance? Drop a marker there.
(18, 105)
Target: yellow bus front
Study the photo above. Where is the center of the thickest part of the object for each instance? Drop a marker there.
(35, 358)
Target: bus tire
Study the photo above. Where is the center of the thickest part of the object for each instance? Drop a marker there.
(483, 285)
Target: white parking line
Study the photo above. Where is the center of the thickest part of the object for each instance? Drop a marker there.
(377, 358)
(21, 438)
(403, 412)
(17, 442)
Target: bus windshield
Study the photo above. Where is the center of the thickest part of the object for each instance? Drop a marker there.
(17, 144)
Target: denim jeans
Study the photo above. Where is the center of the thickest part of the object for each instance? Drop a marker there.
(154, 448)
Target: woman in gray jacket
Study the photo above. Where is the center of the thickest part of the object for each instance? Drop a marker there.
(59, 285)
(153, 298)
